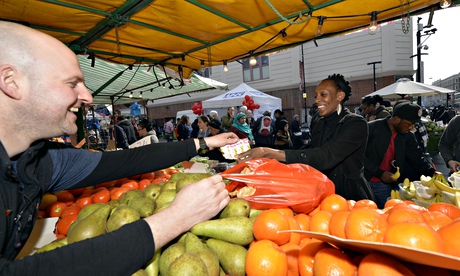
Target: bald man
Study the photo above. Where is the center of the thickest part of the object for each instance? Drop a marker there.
(41, 86)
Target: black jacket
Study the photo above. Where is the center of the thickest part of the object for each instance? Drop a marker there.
(338, 147)
(50, 167)
(407, 152)
(129, 130)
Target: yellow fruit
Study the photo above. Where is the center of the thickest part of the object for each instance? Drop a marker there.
(396, 175)
(47, 200)
(457, 199)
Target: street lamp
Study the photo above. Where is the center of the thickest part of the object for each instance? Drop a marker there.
(373, 64)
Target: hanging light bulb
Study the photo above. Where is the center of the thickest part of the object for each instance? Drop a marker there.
(140, 95)
(202, 66)
(319, 30)
(445, 3)
(164, 85)
(131, 95)
(225, 66)
(373, 26)
(252, 59)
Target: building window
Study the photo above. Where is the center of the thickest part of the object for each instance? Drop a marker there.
(258, 72)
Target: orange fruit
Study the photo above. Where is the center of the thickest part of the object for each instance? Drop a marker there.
(351, 203)
(332, 261)
(304, 242)
(337, 223)
(319, 222)
(426, 270)
(436, 219)
(450, 210)
(414, 235)
(293, 225)
(365, 203)
(264, 257)
(307, 256)
(404, 215)
(287, 212)
(365, 224)
(334, 203)
(382, 264)
(303, 221)
(392, 202)
(314, 211)
(268, 223)
(292, 255)
(449, 235)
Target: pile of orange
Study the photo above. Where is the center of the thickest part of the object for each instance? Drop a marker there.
(276, 251)
(66, 204)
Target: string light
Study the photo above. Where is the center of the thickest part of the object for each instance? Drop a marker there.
(140, 95)
(319, 30)
(373, 26)
(131, 95)
(445, 3)
(252, 59)
(225, 66)
(202, 66)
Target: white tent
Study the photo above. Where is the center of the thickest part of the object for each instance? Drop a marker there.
(235, 98)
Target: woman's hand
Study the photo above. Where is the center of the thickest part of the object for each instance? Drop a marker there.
(220, 140)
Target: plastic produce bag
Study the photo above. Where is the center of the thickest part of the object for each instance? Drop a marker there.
(277, 185)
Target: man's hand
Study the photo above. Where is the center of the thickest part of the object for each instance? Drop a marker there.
(386, 177)
(221, 140)
(453, 165)
(196, 202)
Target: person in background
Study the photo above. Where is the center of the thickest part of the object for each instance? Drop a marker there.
(283, 136)
(126, 125)
(250, 119)
(41, 79)
(296, 132)
(241, 128)
(338, 142)
(449, 144)
(183, 128)
(227, 119)
(279, 116)
(390, 145)
(373, 108)
(169, 130)
(213, 115)
(260, 139)
(145, 129)
(441, 115)
(215, 128)
(203, 126)
(195, 129)
(118, 134)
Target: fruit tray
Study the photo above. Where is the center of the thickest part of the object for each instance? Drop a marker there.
(400, 252)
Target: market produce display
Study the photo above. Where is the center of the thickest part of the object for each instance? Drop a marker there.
(242, 240)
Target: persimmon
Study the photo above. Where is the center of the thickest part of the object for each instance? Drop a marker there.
(63, 224)
(55, 209)
(102, 196)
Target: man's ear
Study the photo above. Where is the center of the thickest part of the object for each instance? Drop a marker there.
(8, 84)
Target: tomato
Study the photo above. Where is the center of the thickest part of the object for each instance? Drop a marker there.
(120, 181)
(173, 171)
(55, 209)
(70, 210)
(158, 180)
(83, 201)
(116, 193)
(130, 185)
(101, 196)
(41, 214)
(62, 226)
(160, 173)
(65, 196)
(150, 176)
(143, 183)
(77, 192)
(136, 177)
(107, 184)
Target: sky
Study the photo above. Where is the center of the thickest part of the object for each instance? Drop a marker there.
(443, 59)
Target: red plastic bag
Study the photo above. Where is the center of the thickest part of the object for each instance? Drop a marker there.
(278, 185)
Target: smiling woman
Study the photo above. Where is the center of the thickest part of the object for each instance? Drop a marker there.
(338, 142)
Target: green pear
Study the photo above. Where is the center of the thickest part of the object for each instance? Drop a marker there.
(145, 206)
(177, 176)
(165, 196)
(52, 245)
(130, 196)
(232, 257)
(93, 225)
(188, 264)
(169, 255)
(121, 215)
(238, 207)
(152, 191)
(113, 204)
(254, 213)
(140, 272)
(159, 208)
(221, 271)
(153, 266)
(237, 230)
(190, 178)
(193, 244)
(86, 211)
(169, 185)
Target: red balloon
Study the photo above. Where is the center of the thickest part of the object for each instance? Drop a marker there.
(247, 97)
(256, 106)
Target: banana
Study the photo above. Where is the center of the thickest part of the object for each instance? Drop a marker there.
(393, 194)
(396, 175)
(445, 187)
(406, 182)
(397, 195)
(426, 180)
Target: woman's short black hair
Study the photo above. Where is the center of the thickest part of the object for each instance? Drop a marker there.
(341, 85)
(373, 100)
